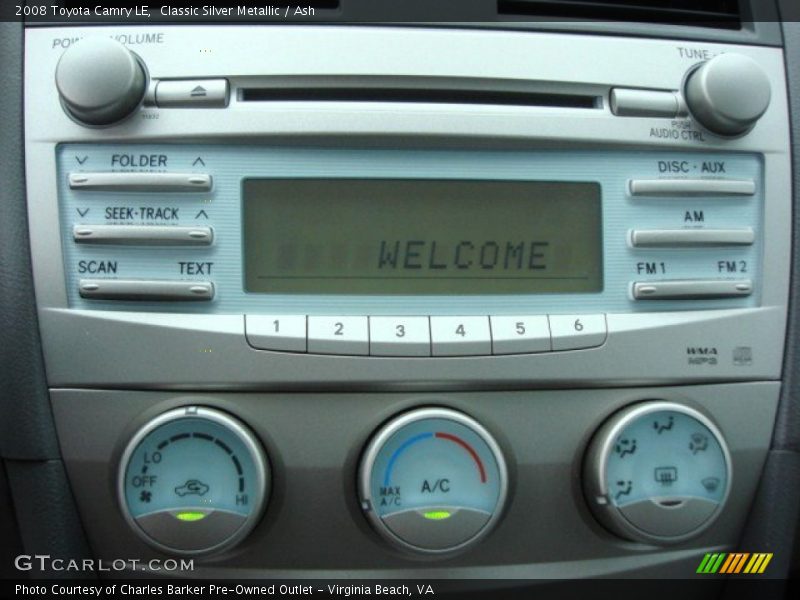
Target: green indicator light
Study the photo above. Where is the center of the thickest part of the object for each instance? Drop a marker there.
(190, 516)
(437, 515)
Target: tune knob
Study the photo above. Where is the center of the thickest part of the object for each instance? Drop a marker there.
(728, 94)
(100, 81)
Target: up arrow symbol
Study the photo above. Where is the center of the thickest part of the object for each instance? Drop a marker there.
(197, 161)
(198, 91)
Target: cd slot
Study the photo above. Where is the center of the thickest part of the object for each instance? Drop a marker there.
(416, 92)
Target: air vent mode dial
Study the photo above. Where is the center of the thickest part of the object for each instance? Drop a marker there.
(100, 81)
(657, 472)
(728, 94)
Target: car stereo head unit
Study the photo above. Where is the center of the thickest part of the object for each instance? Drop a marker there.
(511, 301)
(298, 222)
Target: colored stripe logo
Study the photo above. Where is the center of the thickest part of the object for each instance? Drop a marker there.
(734, 563)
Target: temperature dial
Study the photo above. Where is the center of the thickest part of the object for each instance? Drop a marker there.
(433, 481)
(193, 481)
(657, 472)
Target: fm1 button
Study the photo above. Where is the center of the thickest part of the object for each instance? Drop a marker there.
(573, 332)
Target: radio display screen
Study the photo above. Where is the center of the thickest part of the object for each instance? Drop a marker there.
(421, 236)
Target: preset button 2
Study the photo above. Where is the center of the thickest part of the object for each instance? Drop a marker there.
(338, 335)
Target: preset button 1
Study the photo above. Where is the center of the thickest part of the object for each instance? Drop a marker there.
(284, 333)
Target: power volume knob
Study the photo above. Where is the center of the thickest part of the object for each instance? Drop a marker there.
(100, 81)
(728, 94)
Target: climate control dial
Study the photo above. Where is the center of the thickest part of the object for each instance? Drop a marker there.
(657, 472)
(433, 481)
(193, 481)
